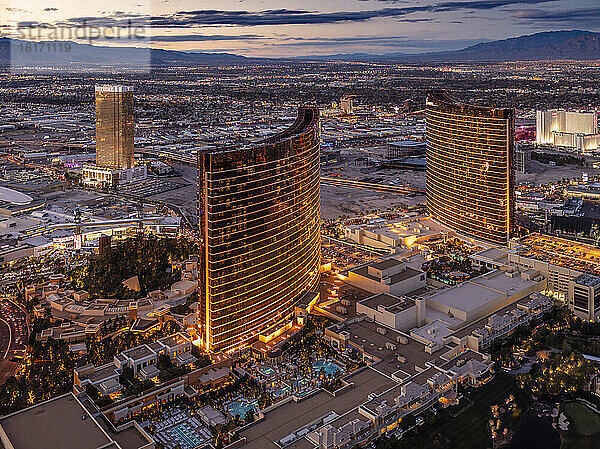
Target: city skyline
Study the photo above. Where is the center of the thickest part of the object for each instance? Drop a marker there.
(272, 29)
(215, 235)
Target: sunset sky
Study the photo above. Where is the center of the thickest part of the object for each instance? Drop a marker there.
(306, 27)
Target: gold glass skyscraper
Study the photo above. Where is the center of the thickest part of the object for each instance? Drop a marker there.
(114, 126)
(259, 218)
(470, 168)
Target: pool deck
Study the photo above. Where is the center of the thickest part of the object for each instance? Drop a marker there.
(329, 367)
(291, 416)
(179, 434)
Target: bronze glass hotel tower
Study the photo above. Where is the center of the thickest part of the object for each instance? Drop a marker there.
(259, 218)
(470, 168)
(114, 126)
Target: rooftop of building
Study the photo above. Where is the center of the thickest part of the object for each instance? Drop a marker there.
(561, 252)
(308, 116)
(390, 395)
(479, 324)
(364, 334)
(462, 359)
(113, 88)
(442, 96)
(435, 331)
(403, 275)
(307, 298)
(102, 373)
(139, 352)
(416, 226)
(172, 341)
(293, 416)
(385, 264)
(589, 280)
(14, 197)
(392, 303)
(476, 292)
(61, 422)
(491, 254)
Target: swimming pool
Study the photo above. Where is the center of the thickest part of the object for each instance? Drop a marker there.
(281, 391)
(266, 370)
(328, 366)
(301, 384)
(185, 436)
(240, 407)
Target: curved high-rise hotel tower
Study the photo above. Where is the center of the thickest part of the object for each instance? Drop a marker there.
(259, 218)
(470, 171)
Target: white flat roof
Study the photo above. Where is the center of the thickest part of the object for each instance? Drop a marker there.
(434, 331)
(113, 88)
(476, 292)
(13, 197)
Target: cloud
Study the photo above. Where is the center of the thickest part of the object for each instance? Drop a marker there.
(472, 5)
(559, 15)
(205, 37)
(476, 4)
(284, 16)
(33, 24)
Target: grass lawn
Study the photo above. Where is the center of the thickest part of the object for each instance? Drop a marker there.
(584, 427)
(469, 429)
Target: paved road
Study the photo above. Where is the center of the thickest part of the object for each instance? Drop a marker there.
(13, 337)
(4, 338)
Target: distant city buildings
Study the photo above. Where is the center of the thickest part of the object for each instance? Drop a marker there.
(114, 139)
(470, 168)
(577, 130)
(259, 220)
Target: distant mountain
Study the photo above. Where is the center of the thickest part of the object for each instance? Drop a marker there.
(576, 44)
(353, 57)
(550, 45)
(57, 55)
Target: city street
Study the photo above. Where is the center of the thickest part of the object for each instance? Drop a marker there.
(13, 337)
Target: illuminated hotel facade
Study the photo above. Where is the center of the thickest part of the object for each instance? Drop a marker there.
(259, 220)
(470, 168)
(114, 126)
(579, 130)
(115, 163)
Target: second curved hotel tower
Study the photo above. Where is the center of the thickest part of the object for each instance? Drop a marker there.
(259, 218)
(470, 168)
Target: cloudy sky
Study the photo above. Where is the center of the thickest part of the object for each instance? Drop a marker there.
(279, 28)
